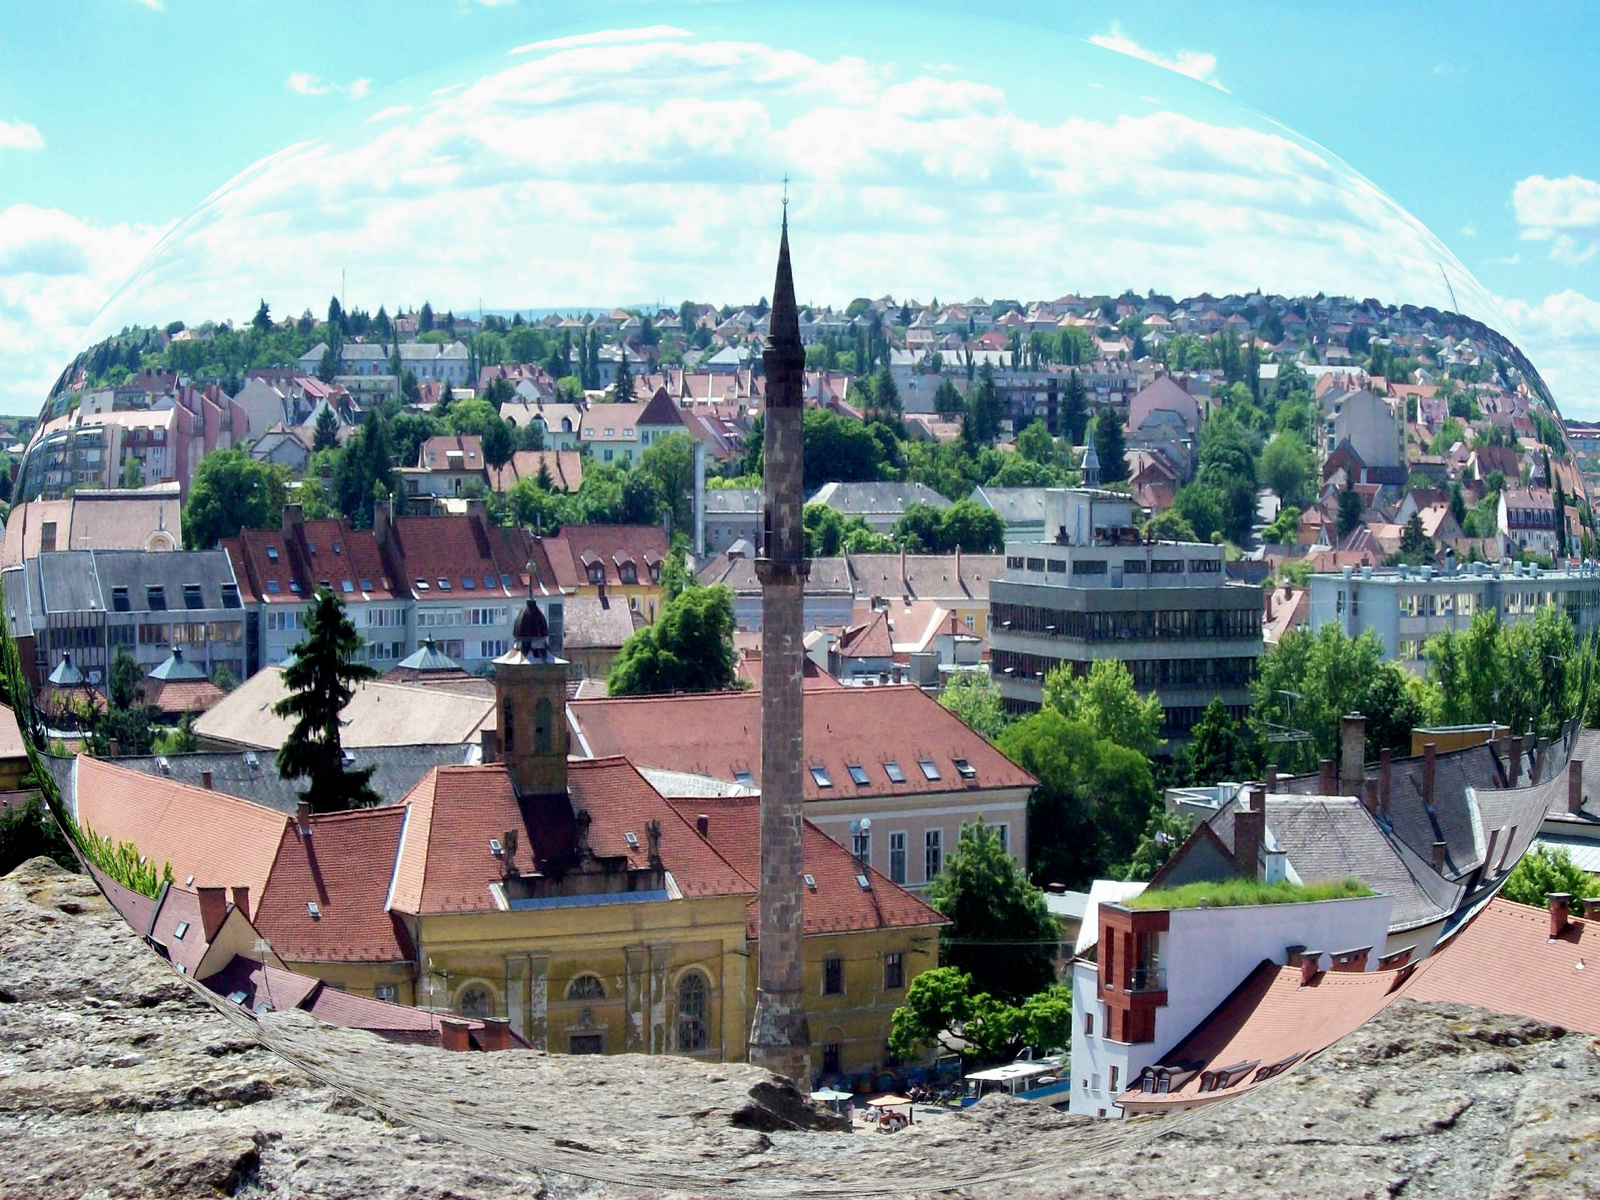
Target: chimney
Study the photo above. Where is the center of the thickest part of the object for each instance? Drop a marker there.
(903, 588)
(1591, 908)
(1293, 955)
(1385, 762)
(1328, 780)
(1430, 758)
(508, 851)
(213, 909)
(702, 825)
(652, 835)
(1249, 832)
(1370, 796)
(293, 517)
(1560, 906)
(382, 522)
(495, 1034)
(1516, 761)
(302, 817)
(241, 900)
(1439, 851)
(1538, 761)
(1310, 966)
(1272, 779)
(1352, 753)
(454, 1034)
(1575, 786)
(478, 511)
(205, 780)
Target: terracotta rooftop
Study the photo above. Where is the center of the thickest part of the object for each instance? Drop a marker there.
(870, 639)
(838, 903)
(873, 729)
(576, 548)
(565, 468)
(472, 557)
(1270, 1023)
(1505, 960)
(343, 869)
(286, 566)
(219, 840)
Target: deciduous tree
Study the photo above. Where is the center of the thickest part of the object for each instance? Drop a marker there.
(690, 649)
(231, 491)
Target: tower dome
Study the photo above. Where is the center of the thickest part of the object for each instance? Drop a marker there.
(531, 631)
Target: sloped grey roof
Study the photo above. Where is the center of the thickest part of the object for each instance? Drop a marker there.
(1331, 837)
(882, 498)
(399, 769)
(592, 624)
(1016, 505)
(428, 657)
(67, 581)
(175, 669)
(138, 570)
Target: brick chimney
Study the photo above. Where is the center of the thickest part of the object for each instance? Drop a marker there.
(1249, 832)
(1369, 796)
(495, 1034)
(1272, 779)
(1575, 786)
(241, 900)
(1310, 966)
(213, 909)
(1516, 761)
(1352, 753)
(302, 818)
(1591, 908)
(1328, 779)
(454, 1034)
(294, 516)
(1440, 851)
(1430, 758)
(1385, 765)
(1560, 906)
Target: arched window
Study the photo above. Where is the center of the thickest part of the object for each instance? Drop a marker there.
(476, 1002)
(508, 734)
(586, 987)
(541, 726)
(692, 1011)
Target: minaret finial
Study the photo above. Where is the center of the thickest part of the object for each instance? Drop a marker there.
(786, 197)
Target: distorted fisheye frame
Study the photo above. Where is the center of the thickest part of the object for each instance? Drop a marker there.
(432, 335)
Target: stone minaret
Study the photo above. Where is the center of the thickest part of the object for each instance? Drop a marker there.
(779, 1037)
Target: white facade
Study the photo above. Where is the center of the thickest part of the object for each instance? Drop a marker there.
(1206, 953)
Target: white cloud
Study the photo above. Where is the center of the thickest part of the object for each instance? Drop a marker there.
(606, 37)
(1561, 335)
(308, 84)
(1186, 62)
(1573, 202)
(1567, 250)
(1469, 231)
(19, 135)
(389, 113)
(55, 272)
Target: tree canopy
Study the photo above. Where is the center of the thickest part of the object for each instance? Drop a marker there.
(231, 491)
(941, 1001)
(689, 649)
(1000, 931)
(322, 676)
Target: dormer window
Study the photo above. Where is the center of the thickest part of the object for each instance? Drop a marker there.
(597, 573)
(192, 597)
(119, 600)
(272, 554)
(628, 573)
(156, 598)
(655, 572)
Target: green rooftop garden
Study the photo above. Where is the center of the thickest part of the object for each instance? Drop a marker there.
(1233, 893)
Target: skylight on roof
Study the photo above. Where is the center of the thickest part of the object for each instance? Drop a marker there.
(858, 773)
(366, 585)
(346, 586)
(929, 768)
(272, 586)
(964, 768)
(488, 582)
(314, 909)
(469, 583)
(422, 585)
(179, 930)
(820, 776)
(272, 554)
(893, 771)
(742, 777)
(811, 883)
(444, 584)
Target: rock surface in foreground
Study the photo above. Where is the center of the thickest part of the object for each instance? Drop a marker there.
(116, 1079)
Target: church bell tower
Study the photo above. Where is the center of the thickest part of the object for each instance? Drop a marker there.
(530, 691)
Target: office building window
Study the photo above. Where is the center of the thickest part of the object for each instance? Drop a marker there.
(933, 854)
(830, 1058)
(897, 858)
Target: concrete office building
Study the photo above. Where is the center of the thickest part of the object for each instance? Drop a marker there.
(1405, 606)
(1094, 589)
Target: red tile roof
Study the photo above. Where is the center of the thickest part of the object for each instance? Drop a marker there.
(720, 734)
(1271, 1019)
(435, 453)
(870, 639)
(220, 840)
(571, 551)
(344, 868)
(1505, 961)
(311, 554)
(838, 903)
(565, 466)
(183, 695)
(458, 548)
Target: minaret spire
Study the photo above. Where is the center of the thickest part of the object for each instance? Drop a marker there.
(780, 1038)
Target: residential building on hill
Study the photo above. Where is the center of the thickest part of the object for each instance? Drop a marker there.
(1405, 606)
(732, 515)
(280, 571)
(620, 563)
(143, 519)
(880, 504)
(1096, 590)
(892, 755)
(620, 433)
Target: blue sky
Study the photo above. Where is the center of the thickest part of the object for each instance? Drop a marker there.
(117, 117)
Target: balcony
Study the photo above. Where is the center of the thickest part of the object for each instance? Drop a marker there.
(1139, 980)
